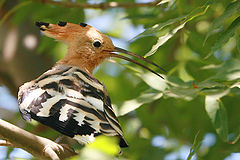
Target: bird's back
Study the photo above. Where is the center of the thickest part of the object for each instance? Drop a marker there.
(72, 102)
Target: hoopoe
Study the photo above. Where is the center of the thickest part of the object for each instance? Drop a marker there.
(67, 97)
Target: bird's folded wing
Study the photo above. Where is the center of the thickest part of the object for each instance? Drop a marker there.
(71, 102)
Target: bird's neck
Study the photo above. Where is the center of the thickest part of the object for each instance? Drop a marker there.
(78, 62)
(84, 61)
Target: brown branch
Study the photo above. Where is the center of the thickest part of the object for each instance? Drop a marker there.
(39, 147)
(6, 143)
(101, 5)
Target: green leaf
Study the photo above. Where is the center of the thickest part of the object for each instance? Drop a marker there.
(217, 113)
(196, 145)
(135, 103)
(210, 84)
(164, 1)
(238, 44)
(157, 27)
(225, 36)
(153, 81)
(183, 74)
(229, 71)
(183, 93)
(164, 38)
(180, 89)
(218, 22)
(167, 30)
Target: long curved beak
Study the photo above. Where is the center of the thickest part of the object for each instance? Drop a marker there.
(116, 49)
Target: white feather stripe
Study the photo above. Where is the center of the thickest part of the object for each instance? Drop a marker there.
(53, 75)
(64, 112)
(92, 116)
(97, 103)
(81, 102)
(84, 139)
(95, 124)
(110, 133)
(79, 117)
(53, 78)
(45, 111)
(94, 84)
(30, 97)
(54, 93)
(72, 93)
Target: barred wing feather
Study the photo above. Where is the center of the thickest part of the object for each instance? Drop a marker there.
(72, 102)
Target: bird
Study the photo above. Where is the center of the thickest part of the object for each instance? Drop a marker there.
(67, 97)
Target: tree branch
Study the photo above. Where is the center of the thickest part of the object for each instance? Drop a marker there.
(101, 5)
(6, 143)
(39, 147)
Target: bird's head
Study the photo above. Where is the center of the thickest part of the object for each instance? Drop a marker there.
(87, 47)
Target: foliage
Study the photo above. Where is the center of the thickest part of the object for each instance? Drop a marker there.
(199, 46)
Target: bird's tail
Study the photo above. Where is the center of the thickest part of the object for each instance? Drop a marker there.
(123, 143)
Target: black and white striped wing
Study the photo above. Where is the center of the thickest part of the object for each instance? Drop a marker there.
(71, 102)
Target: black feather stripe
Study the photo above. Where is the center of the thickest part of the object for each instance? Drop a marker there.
(52, 85)
(114, 122)
(87, 75)
(93, 92)
(69, 127)
(86, 123)
(89, 119)
(123, 143)
(108, 101)
(70, 113)
(90, 90)
(44, 76)
(66, 82)
(70, 84)
(110, 112)
(82, 83)
(105, 126)
(97, 134)
(86, 109)
(55, 109)
(105, 132)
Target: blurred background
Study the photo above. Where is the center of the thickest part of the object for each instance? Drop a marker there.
(192, 114)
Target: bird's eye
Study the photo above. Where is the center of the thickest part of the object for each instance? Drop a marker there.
(97, 44)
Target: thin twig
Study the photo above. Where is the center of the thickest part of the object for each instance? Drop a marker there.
(101, 5)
